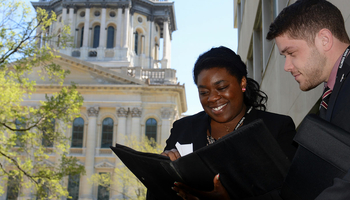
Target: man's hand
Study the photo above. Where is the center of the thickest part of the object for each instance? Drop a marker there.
(188, 193)
(172, 154)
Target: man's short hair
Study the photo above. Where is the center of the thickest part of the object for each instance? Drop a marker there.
(305, 18)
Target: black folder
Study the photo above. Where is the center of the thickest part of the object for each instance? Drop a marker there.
(323, 154)
(249, 160)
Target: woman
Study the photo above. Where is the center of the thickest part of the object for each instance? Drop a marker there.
(230, 100)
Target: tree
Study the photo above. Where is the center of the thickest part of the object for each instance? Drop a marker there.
(123, 181)
(29, 133)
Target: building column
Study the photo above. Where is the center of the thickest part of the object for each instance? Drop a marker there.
(122, 114)
(131, 36)
(150, 42)
(103, 36)
(119, 28)
(126, 27)
(165, 44)
(86, 187)
(64, 15)
(71, 20)
(26, 193)
(86, 27)
(85, 46)
(135, 128)
(72, 31)
(167, 115)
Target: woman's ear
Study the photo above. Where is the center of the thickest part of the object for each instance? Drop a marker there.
(244, 82)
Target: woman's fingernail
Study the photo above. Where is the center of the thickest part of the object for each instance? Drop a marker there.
(175, 183)
(172, 188)
(178, 194)
(217, 177)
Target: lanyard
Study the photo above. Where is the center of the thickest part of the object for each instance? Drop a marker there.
(341, 72)
(239, 123)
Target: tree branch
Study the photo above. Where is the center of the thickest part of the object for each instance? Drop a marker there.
(23, 129)
(26, 37)
(17, 165)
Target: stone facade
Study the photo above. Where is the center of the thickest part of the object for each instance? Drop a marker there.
(264, 63)
(121, 81)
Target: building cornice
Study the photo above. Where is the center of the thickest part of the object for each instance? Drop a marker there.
(144, 89)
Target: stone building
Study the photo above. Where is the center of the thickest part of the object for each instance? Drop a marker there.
(265, 64)
(128, 89)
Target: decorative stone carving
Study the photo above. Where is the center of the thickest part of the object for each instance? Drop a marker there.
(104, 164)
(166, 113)
(136, 112)
(46, 163)
(122, 112)
(93, 111)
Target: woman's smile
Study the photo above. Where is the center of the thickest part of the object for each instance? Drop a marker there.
(219, 108)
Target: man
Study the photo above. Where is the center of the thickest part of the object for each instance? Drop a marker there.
(312, 37)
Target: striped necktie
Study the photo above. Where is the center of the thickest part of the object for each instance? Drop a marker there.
(324, 103)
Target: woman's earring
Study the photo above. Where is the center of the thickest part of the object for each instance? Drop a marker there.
(243, 89)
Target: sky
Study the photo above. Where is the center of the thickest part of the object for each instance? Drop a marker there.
(201, 25)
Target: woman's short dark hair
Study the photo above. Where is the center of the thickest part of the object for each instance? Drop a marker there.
(223, 57)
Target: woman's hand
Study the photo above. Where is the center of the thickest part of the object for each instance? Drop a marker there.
(172, 154)
(188, 193)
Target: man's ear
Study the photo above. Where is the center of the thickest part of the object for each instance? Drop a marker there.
(324, 39)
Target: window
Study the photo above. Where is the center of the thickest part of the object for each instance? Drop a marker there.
(73, 186)
(81, 36)
(78, 132)
(107, 133)
(103, 192)
(82, 14)
(151, 129)
(110, 37)
(96, 36)
(43, 191)
(48, 130)
(13, 185)
(97, 13)
(19, 125)
(136, 42)
(112, 14)
(58, 40)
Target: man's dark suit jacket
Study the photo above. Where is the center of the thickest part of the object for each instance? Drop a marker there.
(193, 129)
(338, 113)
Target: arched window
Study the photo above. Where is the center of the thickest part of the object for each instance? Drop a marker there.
(47, 133)
(136, 42)
(43, 192)
(78, 132)
(73, 186)
(13, 186)
(96, 36)
(110, 37)
(102, 190)
(107, 133)
(81, 36)
(151, 129)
